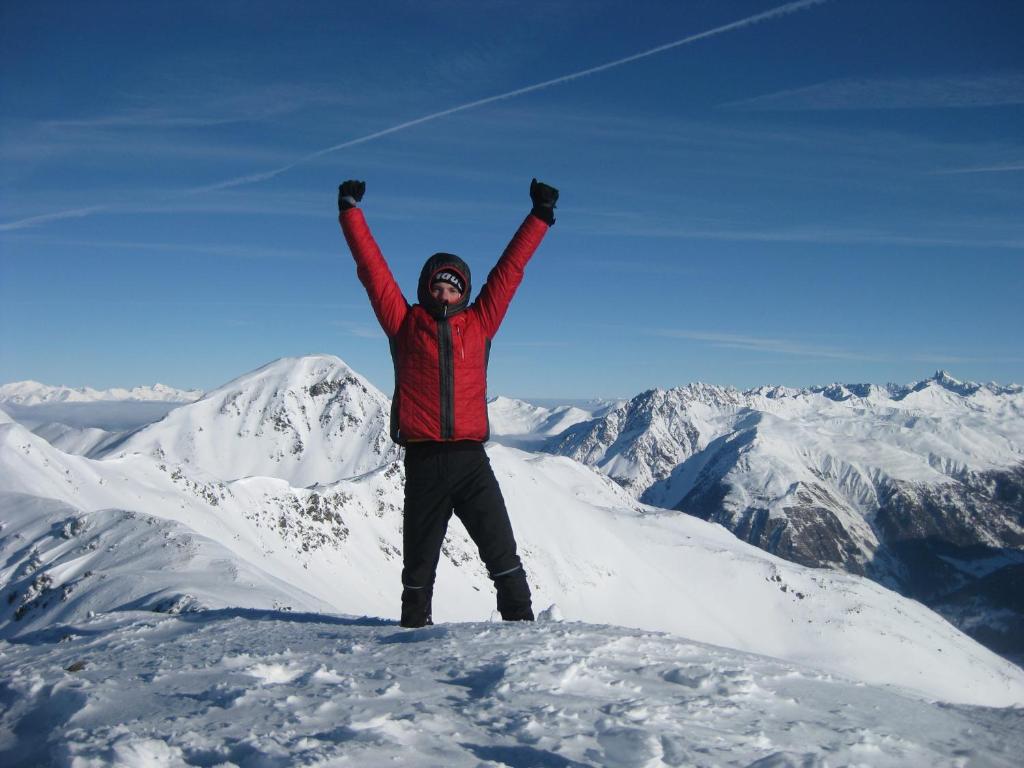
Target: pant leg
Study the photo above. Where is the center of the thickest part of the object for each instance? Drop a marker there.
(480, 506)
(428, 508)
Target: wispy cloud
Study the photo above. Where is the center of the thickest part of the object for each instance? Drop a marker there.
(949, 359)
(799, 348)
(223, 102)
(999, 168)
(116, 147)
(535, 344)
(772, 13)
(728, 146)
(140, 118)
(45, 218)
(359, 330)
(816, 234)
(763, 344)
(277, 203)
(253, 178)
(902, 93)
(187, 302)
(217, 250)
(639, 266)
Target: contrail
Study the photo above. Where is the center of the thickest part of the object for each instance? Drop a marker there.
(42, 218)
(985, 169)
(253, 178)
(764, 16)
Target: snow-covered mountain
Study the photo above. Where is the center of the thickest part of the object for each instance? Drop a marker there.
(34, 393)
(509, 416)
(137, 530)
(644, 439)
(305, 420)
(920, 486)
(520, 424)
(85, 421)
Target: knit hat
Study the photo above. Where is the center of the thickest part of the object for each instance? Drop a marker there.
(449, 276)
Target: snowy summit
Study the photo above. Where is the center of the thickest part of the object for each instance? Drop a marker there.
(242, 555)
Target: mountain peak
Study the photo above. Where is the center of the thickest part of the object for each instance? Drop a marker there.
(306, 420)
(943, 379)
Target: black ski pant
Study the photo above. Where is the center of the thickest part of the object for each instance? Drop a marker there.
(442, 478)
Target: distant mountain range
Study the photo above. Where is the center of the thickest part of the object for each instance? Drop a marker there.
(920, 487)
(34, 393)
(83, 420)
(282, 489)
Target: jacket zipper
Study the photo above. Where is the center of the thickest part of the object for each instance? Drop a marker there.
(462, 346)
(447, 370)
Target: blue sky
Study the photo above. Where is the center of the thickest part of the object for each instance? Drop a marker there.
(832, 194)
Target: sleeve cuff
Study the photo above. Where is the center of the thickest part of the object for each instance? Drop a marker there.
(545, 214)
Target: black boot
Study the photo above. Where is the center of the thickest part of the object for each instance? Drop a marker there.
(416, 607)
(514, 596)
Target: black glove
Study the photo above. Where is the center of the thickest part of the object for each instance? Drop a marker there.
(544, 199)
(351, 192)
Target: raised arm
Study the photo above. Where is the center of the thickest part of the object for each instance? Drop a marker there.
(386, 297)
(504, 279)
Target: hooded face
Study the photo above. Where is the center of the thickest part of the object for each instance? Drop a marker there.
(451, 271)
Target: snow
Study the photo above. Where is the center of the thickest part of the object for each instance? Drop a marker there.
(509, 417)
(87, 428)
(34, 393)
(82, 442)
(587, 545)
(847, 444)
(306, 420)
(271, 688)
(202, 596)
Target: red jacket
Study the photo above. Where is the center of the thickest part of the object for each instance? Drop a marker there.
(440, 356)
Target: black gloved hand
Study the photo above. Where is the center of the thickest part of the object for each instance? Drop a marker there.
(349, 193)
(544, 198)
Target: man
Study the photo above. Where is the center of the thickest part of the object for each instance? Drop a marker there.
(440, 348)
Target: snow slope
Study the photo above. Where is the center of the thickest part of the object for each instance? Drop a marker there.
(588, 545)
(86, 441)
(272, 688)
(116, 559)
(509, 416)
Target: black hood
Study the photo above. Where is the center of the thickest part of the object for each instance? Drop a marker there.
(434, 264)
